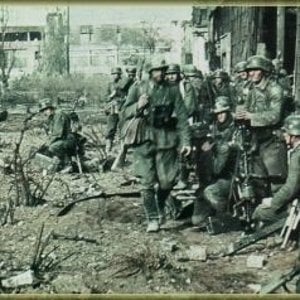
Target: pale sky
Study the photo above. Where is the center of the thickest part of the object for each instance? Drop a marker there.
(92, 14)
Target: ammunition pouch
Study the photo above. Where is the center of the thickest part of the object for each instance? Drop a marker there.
(161, 117)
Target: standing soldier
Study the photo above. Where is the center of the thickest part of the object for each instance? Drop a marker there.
(114, 96)
(281, 77)
(173, 74)
(241, 83)
(188, 94)
(195, 77)
(162, 119)
(272, 211)
(221, 87)
(263, 110)
(129, 82)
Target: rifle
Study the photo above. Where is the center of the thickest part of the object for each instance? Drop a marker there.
(209, 93)
(281, 281)
(69, 206)
(254, 237)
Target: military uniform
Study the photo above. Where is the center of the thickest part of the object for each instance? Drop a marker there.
(224, 89)
(291, 189)
(114, 97)
(62, 142)
(216, 194)
(157, 140)
(241, 85)
(264, 102)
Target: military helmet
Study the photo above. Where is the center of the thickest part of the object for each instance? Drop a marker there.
(45, 103)
(192, 71)
(258, 62)
(173, 69)
(220, 74)
(292, 125)
(240, 67)
(158, 66)
(221, 104)
(116, 70)
(131, 70)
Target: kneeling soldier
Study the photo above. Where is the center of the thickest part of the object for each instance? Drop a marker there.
(223, 159)
(62, 142)
(270, 212)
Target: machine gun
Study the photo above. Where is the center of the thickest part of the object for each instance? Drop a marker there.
(243, 184)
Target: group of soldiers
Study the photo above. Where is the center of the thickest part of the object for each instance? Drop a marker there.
(236, 137)
(161, 114)
(176, 120)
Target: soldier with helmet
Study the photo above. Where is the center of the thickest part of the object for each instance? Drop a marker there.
(173, 74)
(263, 113)
(241, 83)
(221, 86)
(281, 77)
(276, 208)
(113, 97)
(216, 194)
(62, 141)
(159, 126)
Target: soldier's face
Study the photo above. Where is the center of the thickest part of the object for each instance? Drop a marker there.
(218, 81)
(256, 75)
(172, 77)
(116, 76)
(221, 117)
(131, 76)
(48, 112)
(287, 138)
(157, 75)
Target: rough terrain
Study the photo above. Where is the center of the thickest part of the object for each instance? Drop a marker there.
(121, 258)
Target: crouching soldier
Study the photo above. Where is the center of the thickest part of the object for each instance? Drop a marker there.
(62, 141)
(276, 208)
(223, 160)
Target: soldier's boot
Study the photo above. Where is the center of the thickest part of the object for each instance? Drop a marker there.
(108, 146)
(151, 210)
(66, 165)
(162, 196)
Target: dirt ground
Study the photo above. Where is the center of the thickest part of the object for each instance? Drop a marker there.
(121, 257)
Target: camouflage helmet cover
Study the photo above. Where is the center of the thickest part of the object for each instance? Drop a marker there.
(173, 69)
(116, 70)
(192, 71)
(220, 74)
(45, 103)
(221, 104)
(131, 70)
(258, 62)
(158, 66)
(240, 67)
(292, 125)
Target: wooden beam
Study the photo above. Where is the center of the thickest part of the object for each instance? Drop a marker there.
(280, 30)
(297, 64)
